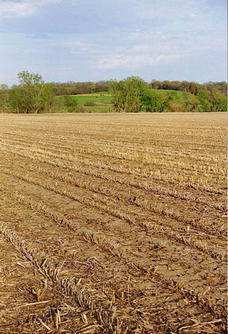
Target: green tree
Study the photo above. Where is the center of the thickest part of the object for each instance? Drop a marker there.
(217, 99)
(190, 102)
(154, 101)
(127, 94)
(4, 87)
(4, 97)
(203, 95)
(91, 87)
(219, 102)
(71, 103)
(32, 95)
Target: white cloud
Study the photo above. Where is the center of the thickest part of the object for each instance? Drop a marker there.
(139, 55)
(9, 9)
(75, 47)
(22, 8)
(177, 9)
(115, 61)
(145, 35)
(121, 60)
(136, 55)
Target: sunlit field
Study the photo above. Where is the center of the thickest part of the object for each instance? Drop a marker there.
(113, 223)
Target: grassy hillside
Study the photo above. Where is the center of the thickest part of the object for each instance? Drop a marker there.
(103, 101)
(92, 98)
(132, 94)
(179, 95)
(98, 102)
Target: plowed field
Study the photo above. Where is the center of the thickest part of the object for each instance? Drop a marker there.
(113, 223)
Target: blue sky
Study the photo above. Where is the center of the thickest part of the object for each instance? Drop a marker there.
(92, 40)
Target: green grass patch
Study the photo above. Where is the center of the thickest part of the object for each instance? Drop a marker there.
(99, 103)
(179, 95)
(95, 94)
(102, 101)
(84, 99)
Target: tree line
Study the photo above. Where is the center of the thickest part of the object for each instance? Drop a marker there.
(75, 88)
(133, 94)
(32, 95)
(189, 86)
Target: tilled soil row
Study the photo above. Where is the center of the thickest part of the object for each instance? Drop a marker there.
(104, 172)
(140, 200)
(114, 251)
(113, 246)
(29, 303)
(128, 297)
(120, 221)
(194, 240)
(186, 238)
(69, 286)
(92, 170)
(103, 312)
(123, 150)
(117, 167)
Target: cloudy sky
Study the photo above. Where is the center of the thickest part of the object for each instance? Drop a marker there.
(92, 40)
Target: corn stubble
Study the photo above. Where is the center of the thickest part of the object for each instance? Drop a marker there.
(113, 223)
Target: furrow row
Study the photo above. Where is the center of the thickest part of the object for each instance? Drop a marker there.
(90, 169)
(83, 149)
(137, 273)
(113, 224)
(186, 238)
(102, 310)
(86, 140)
(188, 182)
(113, 247)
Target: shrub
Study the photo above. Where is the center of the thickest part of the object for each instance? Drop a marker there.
(154, 101)
(176, 105)
(71, 103)
(127, 94)
(32, 95)
(4, 98)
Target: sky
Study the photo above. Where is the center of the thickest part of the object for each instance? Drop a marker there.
(93, 40)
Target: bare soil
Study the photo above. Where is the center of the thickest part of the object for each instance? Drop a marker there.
(113, 223)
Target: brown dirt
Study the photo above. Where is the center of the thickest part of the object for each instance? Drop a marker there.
(113, 223)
